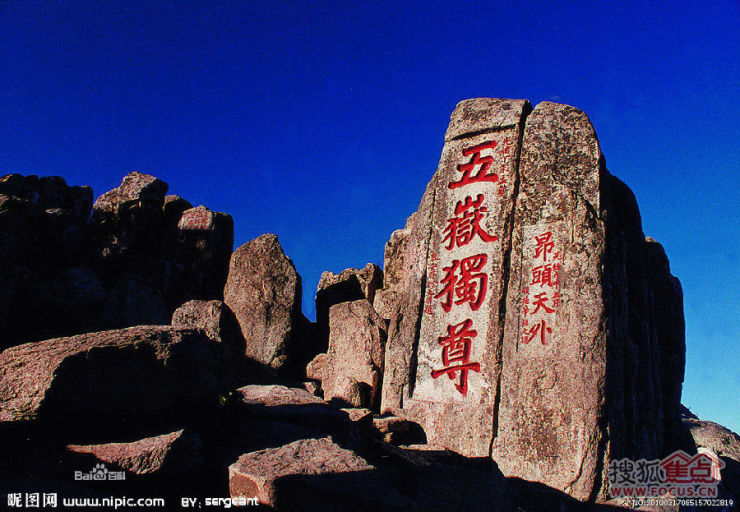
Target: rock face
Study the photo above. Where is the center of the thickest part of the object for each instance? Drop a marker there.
(107, 378)
(352, 368)
(42, 227)
(554, 352)
(217, 322)
(259, 473)
(176, 452)
(530, 320)
(204, 246)
(724, 443)
(446, 374)
(180, 252)
(263, 290)
(349, 285)
(127, 221)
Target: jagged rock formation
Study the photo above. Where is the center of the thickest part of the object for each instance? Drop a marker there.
(522, 320)
(264, 291)
(131, 258)
(177, 452)
(126, 375)
(216, 321)
(352, 368)
(42, 227)
(350, 284)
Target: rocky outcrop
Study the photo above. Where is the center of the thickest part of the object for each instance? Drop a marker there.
(453, 280)
(523, 335)
(42, 227)
(129, 259)
(216, 321)
(352, 368)
(91, 382)
(176, 452)
(127, 222)
(204, 245)
(529, 318)
(263, 290)
(283, 477)
(349, 285)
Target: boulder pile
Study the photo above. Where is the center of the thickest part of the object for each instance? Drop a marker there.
(522, 338)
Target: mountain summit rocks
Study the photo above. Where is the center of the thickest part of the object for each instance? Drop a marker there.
(523, 331)
(514, 302)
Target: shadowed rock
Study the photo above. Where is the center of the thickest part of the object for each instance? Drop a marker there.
(42, 227)
(263, 290)
(204, 245)
(176, 452)
(351, 371)
(312, 474)
(97, 382)
(349, 285)
(216, 321)
(127, 222)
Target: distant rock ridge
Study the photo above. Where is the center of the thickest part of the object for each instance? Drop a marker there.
(129, 259)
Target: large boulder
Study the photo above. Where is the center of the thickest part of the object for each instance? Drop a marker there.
(133, 301)
(529, 320)
(312, 474)
(128, 222)
(176, 452)
(349, 285)
(261, 403)
(204, 245)
(263, 290)
(723, 442)
(352, 369)
(111, 381)
(216, 321)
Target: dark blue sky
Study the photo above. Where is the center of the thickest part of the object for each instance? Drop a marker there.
(323, 121)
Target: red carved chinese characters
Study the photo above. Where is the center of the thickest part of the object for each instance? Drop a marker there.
(456, 354)
(465, 226)
(537, 329)
(545, 245)
(546, 275)
(464, 280)
(540, 301)
(540, 295)
(482, 164)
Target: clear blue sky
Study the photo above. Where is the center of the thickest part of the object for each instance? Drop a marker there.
(323, 121)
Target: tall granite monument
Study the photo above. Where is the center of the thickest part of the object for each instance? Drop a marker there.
(526, 316)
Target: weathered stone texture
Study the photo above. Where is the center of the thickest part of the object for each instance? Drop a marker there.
(282, 478)
(469, 222)
(129, 259)
(204, 246)
(176, 452)
(127, 222)
(575, 354)
(351, 371)
(667, 321)
(349, 285)
(129, 375)
(42, 227)
(554, 350)
(216, 321)
(263, 290)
